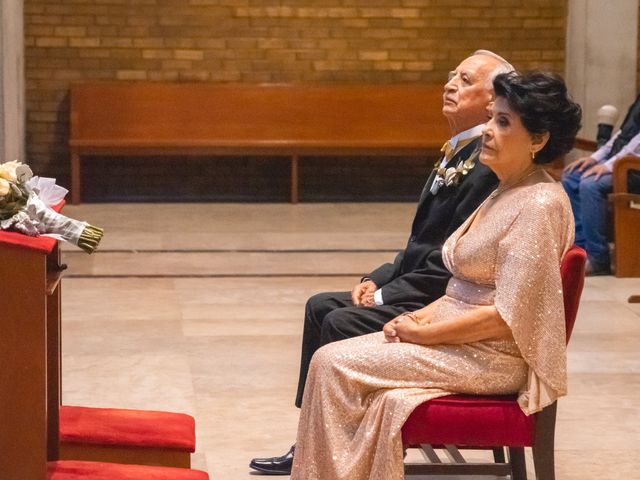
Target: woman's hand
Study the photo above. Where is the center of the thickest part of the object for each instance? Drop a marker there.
(482, 323)
(408, 331)
(389, 329)
(403, 328)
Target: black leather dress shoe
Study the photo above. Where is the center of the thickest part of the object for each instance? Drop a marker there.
(274, 465)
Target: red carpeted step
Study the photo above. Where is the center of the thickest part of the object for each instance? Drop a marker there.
(126, 436)
(76, 470)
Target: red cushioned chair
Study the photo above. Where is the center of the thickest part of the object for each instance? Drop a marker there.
(73, 470)
(126, 436)
(492, 422)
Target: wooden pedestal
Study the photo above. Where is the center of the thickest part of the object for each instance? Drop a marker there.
(29, 359)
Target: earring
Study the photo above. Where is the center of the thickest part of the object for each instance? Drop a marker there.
(533, 155)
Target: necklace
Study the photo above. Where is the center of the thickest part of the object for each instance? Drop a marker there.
(504, 187)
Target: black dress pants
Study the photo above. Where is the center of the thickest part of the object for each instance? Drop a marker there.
(331, 316)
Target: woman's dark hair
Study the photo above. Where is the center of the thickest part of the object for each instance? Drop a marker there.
(542, 102)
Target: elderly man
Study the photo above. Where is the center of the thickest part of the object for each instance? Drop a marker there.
(417, 276)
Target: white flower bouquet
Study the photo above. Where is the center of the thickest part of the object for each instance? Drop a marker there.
(25, 206)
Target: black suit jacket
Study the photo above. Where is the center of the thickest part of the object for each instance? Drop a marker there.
(418, 274)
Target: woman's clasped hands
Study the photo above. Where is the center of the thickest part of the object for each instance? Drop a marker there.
(403, 328)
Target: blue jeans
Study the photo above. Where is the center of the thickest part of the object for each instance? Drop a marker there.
(590, 210)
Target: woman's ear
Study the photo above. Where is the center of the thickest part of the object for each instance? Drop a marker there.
(538, 141)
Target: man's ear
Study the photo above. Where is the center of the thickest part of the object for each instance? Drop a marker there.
(490, 109)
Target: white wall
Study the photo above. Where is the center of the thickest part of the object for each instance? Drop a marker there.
(601, 56)
(12, 104)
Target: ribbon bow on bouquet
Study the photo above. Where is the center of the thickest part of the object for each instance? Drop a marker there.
(25, 206)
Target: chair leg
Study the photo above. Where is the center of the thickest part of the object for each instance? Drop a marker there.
(518, 464)
(498, 455)
(543, 447)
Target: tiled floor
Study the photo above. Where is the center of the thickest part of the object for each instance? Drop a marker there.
(198, 308)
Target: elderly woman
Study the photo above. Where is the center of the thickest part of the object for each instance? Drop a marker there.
(498, 330)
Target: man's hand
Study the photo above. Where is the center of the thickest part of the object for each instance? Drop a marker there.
(580, 165)
(362, 294)
(597, 170)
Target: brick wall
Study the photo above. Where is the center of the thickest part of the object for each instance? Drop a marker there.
(373, 41)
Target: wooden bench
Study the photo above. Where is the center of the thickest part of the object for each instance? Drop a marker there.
(151, 118)
(626, 219)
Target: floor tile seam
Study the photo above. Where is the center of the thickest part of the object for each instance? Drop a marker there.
(216, 275)
(629, 307)
(239, 250)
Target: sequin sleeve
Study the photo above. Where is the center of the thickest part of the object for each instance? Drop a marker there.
(529, 291)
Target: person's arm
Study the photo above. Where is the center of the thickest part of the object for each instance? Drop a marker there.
(388, 271)
(606, 166)
(631, 148)
(481, 323)
(600, 154)
(584, 164)
(422, 285)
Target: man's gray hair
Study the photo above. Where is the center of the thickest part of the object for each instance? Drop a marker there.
(502, 67)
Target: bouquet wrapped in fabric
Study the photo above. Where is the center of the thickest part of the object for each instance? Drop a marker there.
(25, 206)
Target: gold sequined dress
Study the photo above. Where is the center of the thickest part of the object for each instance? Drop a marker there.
(360, 391)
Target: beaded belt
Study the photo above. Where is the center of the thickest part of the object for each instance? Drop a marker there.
(469, 292)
